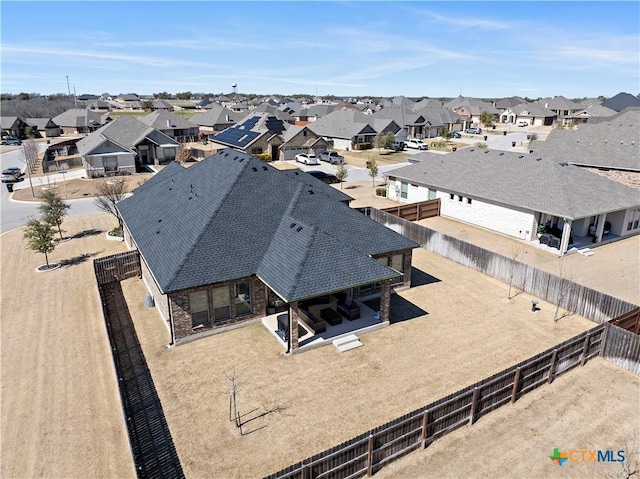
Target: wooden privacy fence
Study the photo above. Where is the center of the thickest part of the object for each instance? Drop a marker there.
(629, 321)
(622, 348)
(591, 304)
(117, 267)
(368, 452)
(416, 211)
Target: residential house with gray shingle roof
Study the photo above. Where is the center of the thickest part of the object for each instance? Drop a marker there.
(78, 121)
(610, 143)
(43, 127)
(172, 125)
(220, 249)
(471, 109)
(215, 119)
(521, 195)
(301, 139)
(562, 107)
(621, 101)
(12, 126)
(346, 128)
(534, 114)
(256, 133)
(123, 146)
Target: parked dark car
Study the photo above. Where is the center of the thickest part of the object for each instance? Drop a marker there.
(326, 177)
(456, 134)
(11, 174)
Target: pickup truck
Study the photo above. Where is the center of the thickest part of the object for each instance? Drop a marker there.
(418, 144)
(332, 157)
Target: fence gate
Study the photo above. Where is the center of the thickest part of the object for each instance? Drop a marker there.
(117, 267)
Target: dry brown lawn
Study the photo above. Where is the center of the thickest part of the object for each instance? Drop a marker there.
(60, 406)
(77, 188)
(61, 414)
(462, 329)
(596, 407)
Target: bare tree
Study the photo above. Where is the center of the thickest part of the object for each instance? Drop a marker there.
(630, 464)
(184, 155)
(565, 278)
(108, 194)
(515, 251)
(341, 173)
(30, 153)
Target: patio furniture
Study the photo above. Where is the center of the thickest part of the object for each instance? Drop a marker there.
(330, 316)
(349, 308)
(312, 321)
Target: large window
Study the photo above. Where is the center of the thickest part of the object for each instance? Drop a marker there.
(397, 262)
(110, 163)
(404, 189)
(199, 307)
(221, 309)
(169, 154)
(243, 298)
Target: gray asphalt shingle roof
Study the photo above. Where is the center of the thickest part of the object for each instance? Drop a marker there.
(612, 142)
(230, 216)
(345, 123)
(531, 182)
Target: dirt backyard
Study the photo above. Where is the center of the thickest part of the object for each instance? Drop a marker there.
(596, 407)
(61, 414)
(454, 328)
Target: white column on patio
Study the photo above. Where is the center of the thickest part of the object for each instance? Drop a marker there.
(566, 234)
(600, 229)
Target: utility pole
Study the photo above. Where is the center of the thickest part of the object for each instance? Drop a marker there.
(27, 159)
(68, 88)
(75, 98)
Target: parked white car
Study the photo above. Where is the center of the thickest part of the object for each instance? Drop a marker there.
(307, 159)
(416, 144)
(523, 123)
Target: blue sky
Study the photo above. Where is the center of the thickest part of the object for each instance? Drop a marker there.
(418, 48)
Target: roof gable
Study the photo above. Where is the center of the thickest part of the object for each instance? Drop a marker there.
(219, 220)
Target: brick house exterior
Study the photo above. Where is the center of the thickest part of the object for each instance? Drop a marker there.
(218, 250)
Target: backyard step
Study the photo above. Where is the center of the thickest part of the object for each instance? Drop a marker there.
(586, 252)
(347, 343)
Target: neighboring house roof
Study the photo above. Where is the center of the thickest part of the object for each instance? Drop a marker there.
(79, 117)
(594, 111)
(41, 123)
(320, 110)
(621, 101)
(345, 123)
(427, 103)
(505, 103)
(219, 220)
(164, 120)
(612, 142)
(217, 115)
(531, 110)
(10, 122)
(558, 103)
(126, 132)
(535, 183)
(161, 105)
(249, 129)
(128, 97)
(99, 105)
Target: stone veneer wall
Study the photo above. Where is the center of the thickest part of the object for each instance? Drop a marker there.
(181, 315)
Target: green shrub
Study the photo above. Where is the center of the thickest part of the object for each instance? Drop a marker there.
(115, 231)
(264, 157)
(438, 145)
(381, 192)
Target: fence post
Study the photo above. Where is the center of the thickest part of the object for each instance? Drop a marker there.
(474, 404)
(423, 434)
(370, 456)
(306, 471)
(552, 367)
(516, 383)
(584, 350)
